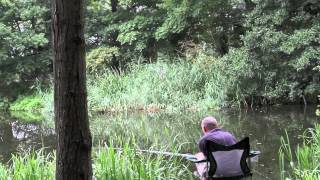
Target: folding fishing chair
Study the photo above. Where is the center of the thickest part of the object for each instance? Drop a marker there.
(228, 162)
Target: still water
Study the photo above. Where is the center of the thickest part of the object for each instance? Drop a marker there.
(167, 130)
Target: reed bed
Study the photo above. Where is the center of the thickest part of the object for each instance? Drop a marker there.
(304, 162)
(29, 166)
(127, 164)
(109, 163)
(160, 86)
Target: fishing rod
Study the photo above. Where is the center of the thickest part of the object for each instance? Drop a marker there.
(160, 152)
(187, 156)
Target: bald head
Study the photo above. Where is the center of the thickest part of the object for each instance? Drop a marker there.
(209, 123)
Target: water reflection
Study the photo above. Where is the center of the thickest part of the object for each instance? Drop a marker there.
(263, 126)
(18, 136)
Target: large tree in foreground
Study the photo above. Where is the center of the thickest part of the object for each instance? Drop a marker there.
(70, 95)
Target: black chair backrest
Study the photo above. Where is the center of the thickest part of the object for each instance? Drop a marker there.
(228, 161)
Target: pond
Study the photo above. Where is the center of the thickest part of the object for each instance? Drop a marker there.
(264, 126)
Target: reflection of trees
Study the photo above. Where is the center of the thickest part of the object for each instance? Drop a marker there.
(266, 126)
(263, 126)
(15, 136)
(23, 131)
(31, 135)
(7, 142)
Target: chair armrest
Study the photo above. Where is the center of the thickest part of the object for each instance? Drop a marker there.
(194, 159)
(201, 161)
(253, 154)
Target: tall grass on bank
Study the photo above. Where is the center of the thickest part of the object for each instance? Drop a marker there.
(162, 85)
(29, 166)
(129, 164)
(27, 103)
(304, 162)
(108, 164)
(169, 86)
(202, 82)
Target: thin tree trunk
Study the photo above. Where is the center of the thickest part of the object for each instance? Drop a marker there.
(114, 5)
(70, 95)
(115, 62)
(249, 5)
(222, 44)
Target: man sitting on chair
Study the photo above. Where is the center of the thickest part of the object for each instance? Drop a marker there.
(212, 132)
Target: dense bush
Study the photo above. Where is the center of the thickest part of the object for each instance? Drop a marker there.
(258, 52)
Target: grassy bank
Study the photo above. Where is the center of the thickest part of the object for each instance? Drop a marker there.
(303, 163)
(198, 83)
(108, 164)
(150, 87)
(28, 103)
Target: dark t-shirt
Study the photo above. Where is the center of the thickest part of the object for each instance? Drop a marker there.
(218, 136)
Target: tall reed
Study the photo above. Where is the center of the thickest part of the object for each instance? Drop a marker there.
(162, 85)
(109, 163)
(29, 166)
(127, 164)
(304, 162)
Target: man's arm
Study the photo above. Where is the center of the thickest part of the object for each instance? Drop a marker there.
(202, 146)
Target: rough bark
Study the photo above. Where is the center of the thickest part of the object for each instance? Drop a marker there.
(70, 96)
(249, 5)
(222, 44)
(115, 62)
(114, 5)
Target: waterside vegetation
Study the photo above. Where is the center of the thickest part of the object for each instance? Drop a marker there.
(303, 162)
(109, 163)
(170, 54)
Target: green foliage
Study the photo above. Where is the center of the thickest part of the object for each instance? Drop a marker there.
(108, 163)
(135, 31)
(4, 103)
(280, 53)
(27, 103)
(24, 44)
(128, 164)
(161, 85)
(262, 52)
(176, 21)
(3, 172)
(99, 59)
(27, 116)
(29, 165)
(304, 162)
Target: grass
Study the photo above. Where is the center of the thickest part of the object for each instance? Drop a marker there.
(108, 164)
(29, 166)
(160, 86)
(27, 103)
(182, 84)
(304, 162)
(128, 164)
(27, 116)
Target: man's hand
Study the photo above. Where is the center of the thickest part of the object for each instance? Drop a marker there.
(201, 167)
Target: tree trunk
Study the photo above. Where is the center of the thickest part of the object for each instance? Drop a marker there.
(70, 95)
(115, 62)
(114, 5)
(249, 5)
(222, 44)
